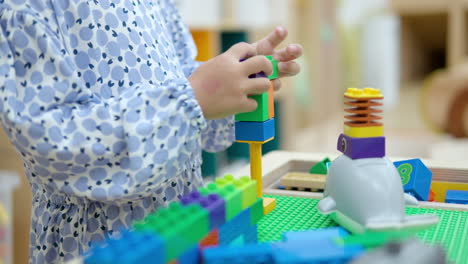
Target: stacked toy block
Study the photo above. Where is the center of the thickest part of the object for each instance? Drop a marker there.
(259, 125)
(224, 212)
(363, 133)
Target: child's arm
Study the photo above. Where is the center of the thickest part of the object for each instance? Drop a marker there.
(78, 142)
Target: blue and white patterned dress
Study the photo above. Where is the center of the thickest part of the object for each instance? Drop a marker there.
(94, 95)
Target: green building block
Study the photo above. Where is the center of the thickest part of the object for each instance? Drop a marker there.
(274, 64)
(294, 213)
(374, 239)
(230, 194)
(258, 115)
(256, 211)
(320, 167)
(245, 185)
(181, 226)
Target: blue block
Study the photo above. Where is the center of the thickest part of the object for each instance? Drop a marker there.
(315, 251)
(317, 234)
(248, 254)
(234, 228)
(191, 256)
(416, 178)
(255, 131)
(458, 197)
(129, 248)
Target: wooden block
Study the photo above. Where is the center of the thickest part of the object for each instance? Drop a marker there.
(268, 205)
(302, 180)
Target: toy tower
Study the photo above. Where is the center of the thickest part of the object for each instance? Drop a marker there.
(258, 127)
(363, 133)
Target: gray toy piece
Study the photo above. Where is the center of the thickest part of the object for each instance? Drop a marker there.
(367, 195)
(409, 252)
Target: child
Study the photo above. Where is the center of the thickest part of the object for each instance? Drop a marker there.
(109, 110)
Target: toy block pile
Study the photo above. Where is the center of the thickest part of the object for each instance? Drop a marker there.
(223, 212)
(330, 245)
(363, 133)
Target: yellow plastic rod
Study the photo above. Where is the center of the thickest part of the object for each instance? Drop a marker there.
(256, 165)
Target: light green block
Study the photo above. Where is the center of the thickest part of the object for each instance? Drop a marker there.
(274, 64)
(256, 211)
(230, 194)
(258, 115)
(245, 185)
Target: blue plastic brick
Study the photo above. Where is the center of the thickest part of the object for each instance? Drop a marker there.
(416, 178)
(315, 251)
(458, 197)
(213, 203)
(191, 256)
(255, 131)
(129, 248)
(317, 234)
(248, 254)
(236, 227)
(361, 148)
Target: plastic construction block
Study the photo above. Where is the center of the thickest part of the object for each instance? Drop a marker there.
(268, 205)
(363, 93)
(416, 178)
(248, 254)
(260, 114)
(274, 64)
(320, 167)
(256, 211)
(181, 226)
(190, 256)
(361, 148)
(231, 196)
(374, 239)
(255, 131)
(213, 203)
(271, 101)
(317, 234)
(130, 248)
(212, 239)
(234, 228)
(458, 197)
(363, 132)
(314, 251)
(440, 188)
(244, 184)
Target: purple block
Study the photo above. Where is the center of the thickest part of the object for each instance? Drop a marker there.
(361, 148)
(213, 203)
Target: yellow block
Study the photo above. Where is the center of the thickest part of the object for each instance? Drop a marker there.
(440, 189)
(363, 132)
(268, 205)
(256, 166)
(303, 180)
(363, 93)
(206, 42)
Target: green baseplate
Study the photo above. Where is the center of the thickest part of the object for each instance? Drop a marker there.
(292, 213)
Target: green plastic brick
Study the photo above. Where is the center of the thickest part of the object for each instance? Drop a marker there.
(231, 196)
(181, 226)
(320, 167)
(274, 64)
(256, 211)
(374, 239)
(293, 213)
(258, 115)
(247, 187)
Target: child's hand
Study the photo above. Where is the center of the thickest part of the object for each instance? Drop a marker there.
(222, 84)
(286, 66)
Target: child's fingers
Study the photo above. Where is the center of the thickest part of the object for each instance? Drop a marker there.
(291, 52)
(289, 68)
(257, 86)
(242, 50)
(268, 44)
(248, 105)
(276, 84)
(257, 64)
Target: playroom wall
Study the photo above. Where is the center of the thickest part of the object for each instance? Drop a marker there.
(394, 45)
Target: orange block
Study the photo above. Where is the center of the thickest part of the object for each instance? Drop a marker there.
(271, 101)
(212, 239)
(206, 42)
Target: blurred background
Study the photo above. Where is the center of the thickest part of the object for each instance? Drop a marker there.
(414, 51)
